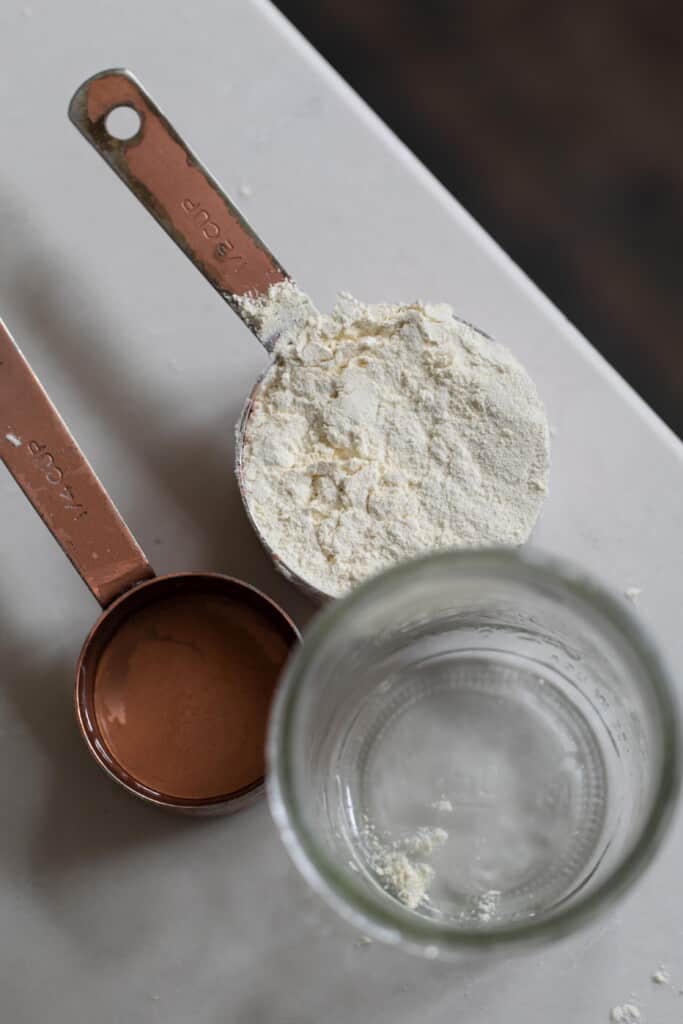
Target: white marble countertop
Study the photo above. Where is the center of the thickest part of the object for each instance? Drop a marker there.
(112, 912)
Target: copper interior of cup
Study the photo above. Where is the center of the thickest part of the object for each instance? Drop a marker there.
(102, 645)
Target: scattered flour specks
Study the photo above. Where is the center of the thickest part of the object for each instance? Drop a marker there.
(425, 841)
(443, 806)
(632, 593)
(396, 866)
(404, 878)
(486, 905)
(627, 1013)
(384, 431)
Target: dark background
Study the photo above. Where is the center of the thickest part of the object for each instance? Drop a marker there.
(560, 128)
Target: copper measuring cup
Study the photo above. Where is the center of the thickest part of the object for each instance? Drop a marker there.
(181, 195)
(45, 461)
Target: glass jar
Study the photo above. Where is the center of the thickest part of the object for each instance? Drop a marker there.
(472, 749)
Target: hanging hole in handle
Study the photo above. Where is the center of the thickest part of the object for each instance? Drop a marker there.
(123, 123)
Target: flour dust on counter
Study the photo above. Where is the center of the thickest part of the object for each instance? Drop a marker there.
(626, 1013)
(384, 431)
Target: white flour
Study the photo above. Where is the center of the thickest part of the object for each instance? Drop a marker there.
(396, 865)
(627, 1013)
(443, 805)
(405, 879)
(486, 905)
(381, 432)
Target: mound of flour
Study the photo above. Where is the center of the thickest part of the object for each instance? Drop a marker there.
(381, 432)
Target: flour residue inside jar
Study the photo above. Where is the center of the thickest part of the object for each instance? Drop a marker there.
(402, 866)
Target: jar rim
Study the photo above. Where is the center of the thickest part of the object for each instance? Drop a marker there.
(394, 923)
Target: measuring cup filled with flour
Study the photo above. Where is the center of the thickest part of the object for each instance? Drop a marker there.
(384, 431)
(379, 431)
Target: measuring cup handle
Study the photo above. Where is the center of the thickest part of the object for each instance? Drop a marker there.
(55, 476)
(173, 185)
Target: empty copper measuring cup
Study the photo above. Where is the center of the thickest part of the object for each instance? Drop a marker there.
(181, 195)
(137, 626)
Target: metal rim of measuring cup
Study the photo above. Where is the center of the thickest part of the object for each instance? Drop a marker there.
(52, 471)
(97, 640)
(394, 923)
(320, 597)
